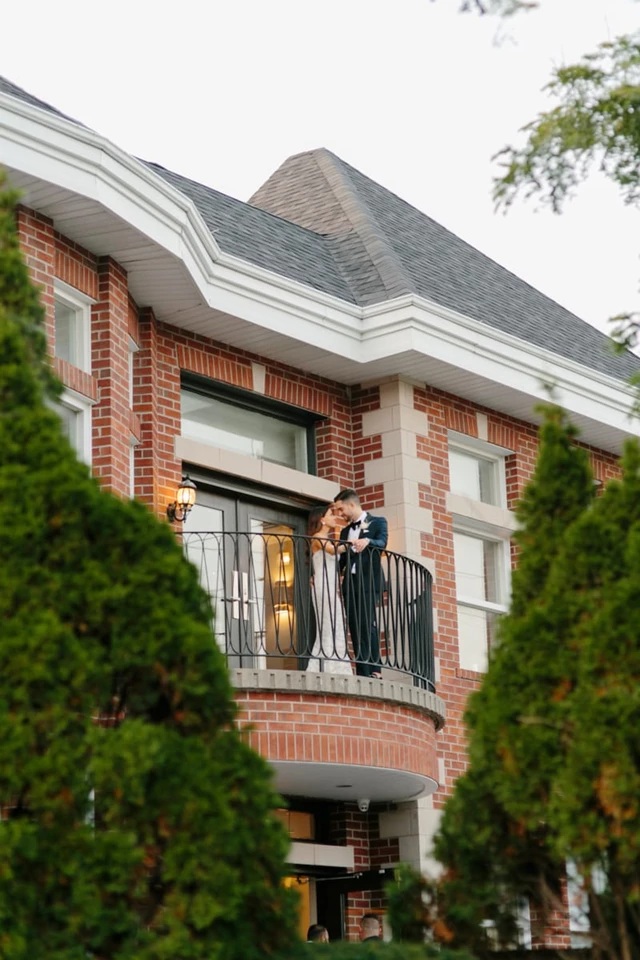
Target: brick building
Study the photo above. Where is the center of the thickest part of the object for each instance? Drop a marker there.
(325, 334)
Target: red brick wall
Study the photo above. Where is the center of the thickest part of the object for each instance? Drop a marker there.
(350, 827)
(366, 448)
(114, 317)
(164, 352)
(76, 266)
(110, 365)
(326, 728)
(446, 412)
(169, 351)
(554, 930)
(38, 247)
(438, 547)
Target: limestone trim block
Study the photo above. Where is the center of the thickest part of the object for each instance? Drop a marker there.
(259, 377)
(250, 468)
(399, 443)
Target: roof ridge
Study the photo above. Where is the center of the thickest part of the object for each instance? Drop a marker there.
(467, 243)
(357, 212)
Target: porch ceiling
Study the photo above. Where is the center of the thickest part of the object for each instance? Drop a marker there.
(342, 781)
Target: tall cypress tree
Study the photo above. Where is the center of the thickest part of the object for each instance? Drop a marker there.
(490, 839)
(150, 834)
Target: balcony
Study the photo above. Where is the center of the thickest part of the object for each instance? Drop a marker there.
(333, 665)
(280, 605)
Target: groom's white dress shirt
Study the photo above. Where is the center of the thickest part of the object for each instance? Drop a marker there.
(354, 534)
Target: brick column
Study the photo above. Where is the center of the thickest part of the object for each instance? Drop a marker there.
(37, 240)
(110, 363)
(157, 404)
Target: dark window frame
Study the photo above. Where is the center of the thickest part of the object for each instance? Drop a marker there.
(247, 400)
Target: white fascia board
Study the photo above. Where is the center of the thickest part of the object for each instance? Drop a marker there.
(61, 152)
(429, 329)
(278, 303)
(79, 160)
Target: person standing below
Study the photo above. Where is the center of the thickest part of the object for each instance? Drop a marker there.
(317, 934)
(365, 536)
(370, 928)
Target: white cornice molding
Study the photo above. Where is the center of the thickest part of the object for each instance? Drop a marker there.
(59, 151)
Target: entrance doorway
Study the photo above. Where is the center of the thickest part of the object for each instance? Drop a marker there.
(305, 890)
(252, 559)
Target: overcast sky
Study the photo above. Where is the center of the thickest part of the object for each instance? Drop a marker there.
(411, 92)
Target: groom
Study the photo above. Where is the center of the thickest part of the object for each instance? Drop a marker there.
(365, 536)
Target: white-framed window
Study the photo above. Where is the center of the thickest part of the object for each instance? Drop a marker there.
(74, 411)
(72, 320)
(523, 927)
(476, 470)
(482, 550)
(482, 591)
(133, 349)
(578, 901)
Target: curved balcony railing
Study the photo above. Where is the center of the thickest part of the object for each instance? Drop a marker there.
(300, 603)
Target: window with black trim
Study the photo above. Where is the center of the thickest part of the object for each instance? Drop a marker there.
(257, 427)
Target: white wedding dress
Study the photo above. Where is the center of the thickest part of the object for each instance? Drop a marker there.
(329, 652)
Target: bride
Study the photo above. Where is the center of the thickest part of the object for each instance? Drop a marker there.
(329, 652)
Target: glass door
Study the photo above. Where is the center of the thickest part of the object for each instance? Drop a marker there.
(253, 567)
(276, 561)
(211, 545)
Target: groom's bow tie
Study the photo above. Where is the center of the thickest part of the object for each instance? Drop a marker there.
(355, 524)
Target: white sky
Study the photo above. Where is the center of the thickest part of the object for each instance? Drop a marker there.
(410, 92)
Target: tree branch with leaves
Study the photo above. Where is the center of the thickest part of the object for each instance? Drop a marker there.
(595, 125)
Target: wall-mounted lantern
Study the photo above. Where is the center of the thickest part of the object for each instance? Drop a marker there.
(185, 500)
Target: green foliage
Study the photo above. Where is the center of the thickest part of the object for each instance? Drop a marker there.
(180, 855)
(411, 906)
(596, 121)
(490, 832)
(554, 730)
(373, 951)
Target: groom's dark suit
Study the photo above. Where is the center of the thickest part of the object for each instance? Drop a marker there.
(362, 586)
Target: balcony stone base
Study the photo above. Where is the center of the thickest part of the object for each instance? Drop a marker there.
(341, 738)
(399, 691)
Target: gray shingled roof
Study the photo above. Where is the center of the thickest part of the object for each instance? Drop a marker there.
(319, 221)
(264, 239)
(14, 91)
(414, 254)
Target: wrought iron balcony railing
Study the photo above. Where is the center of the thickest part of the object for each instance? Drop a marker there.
(300, 603)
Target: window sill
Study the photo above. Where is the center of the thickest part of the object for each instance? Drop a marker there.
(257, 471)
(475, 675)
(479, 516)
(76, 379)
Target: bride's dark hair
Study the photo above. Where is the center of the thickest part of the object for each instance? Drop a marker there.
(314, 523)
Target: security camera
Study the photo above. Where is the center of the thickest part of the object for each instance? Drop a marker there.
(363, 805)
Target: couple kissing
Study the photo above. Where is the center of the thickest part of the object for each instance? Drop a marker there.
(346, 586)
